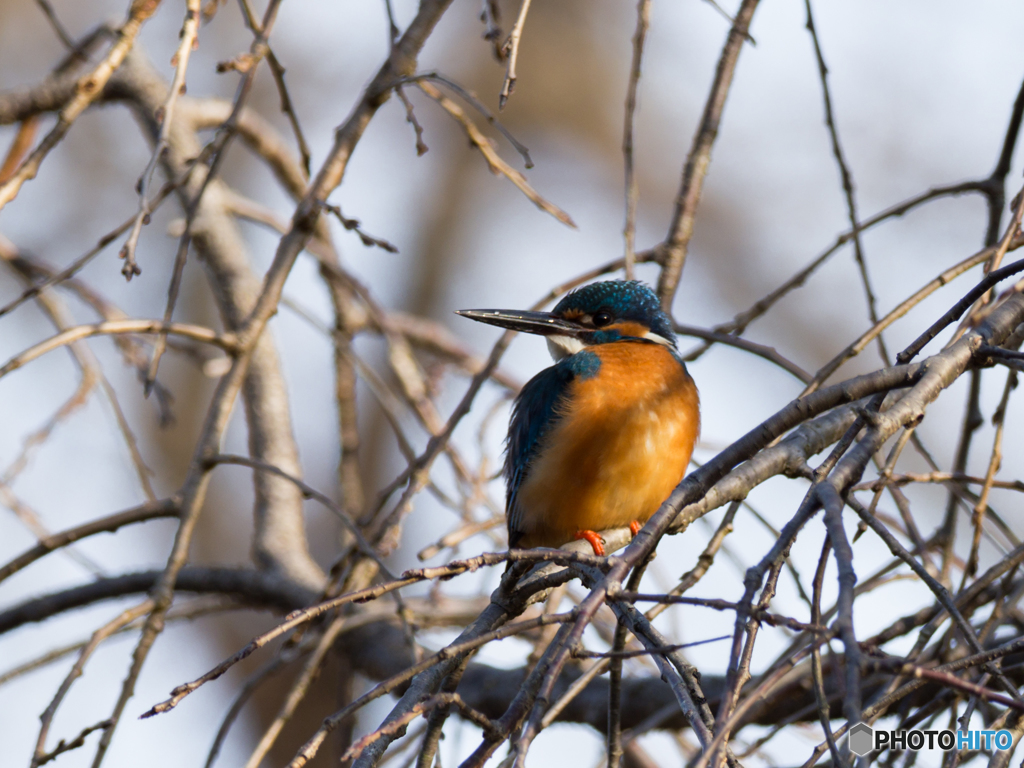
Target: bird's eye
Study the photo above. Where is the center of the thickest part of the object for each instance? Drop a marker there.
(602, 318)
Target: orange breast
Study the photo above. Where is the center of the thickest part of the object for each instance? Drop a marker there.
(622, 444)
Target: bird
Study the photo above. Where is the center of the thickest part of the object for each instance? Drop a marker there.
(599, 439)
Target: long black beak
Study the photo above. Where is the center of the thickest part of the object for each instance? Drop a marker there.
(542, 323)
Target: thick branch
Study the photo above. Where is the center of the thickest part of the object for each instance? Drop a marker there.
(379, 650)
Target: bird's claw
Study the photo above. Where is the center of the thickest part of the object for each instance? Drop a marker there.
(594, 539)
(635, 527)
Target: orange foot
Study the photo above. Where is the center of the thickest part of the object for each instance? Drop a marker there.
(595, 541)
(635, 527)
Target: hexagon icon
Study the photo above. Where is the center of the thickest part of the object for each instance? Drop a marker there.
(862, 736)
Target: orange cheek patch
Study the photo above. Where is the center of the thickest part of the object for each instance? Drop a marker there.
(629, 329)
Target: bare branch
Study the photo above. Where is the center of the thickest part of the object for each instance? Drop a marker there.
(494, 162)
(87, 88)
(510, 50)
(643, 20)
(677, 243)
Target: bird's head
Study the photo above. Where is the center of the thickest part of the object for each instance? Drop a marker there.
(599, 313)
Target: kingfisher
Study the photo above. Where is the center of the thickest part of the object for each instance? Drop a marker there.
(599, 439)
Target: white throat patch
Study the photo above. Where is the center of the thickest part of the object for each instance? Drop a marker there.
(562, 346)
(652, 336)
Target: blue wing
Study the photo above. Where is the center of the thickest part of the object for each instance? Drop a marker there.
(537, 408)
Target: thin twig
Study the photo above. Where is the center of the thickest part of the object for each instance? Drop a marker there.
(188, 40)
(58, 28)
(243, 696)
(510, 50)
(643, 20)
(474, 101)
(225, 341)
(212, 157)
(410, 117)
(676, 244)
(87, 89)
(277, 70)
(820, 696)
(98, 637)
(494, 161)
(833, 505)
(765, 352)
(310, 493)
(740, 322)
(847, 181)
(995, 461)
(298, 692)
(75, 743)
